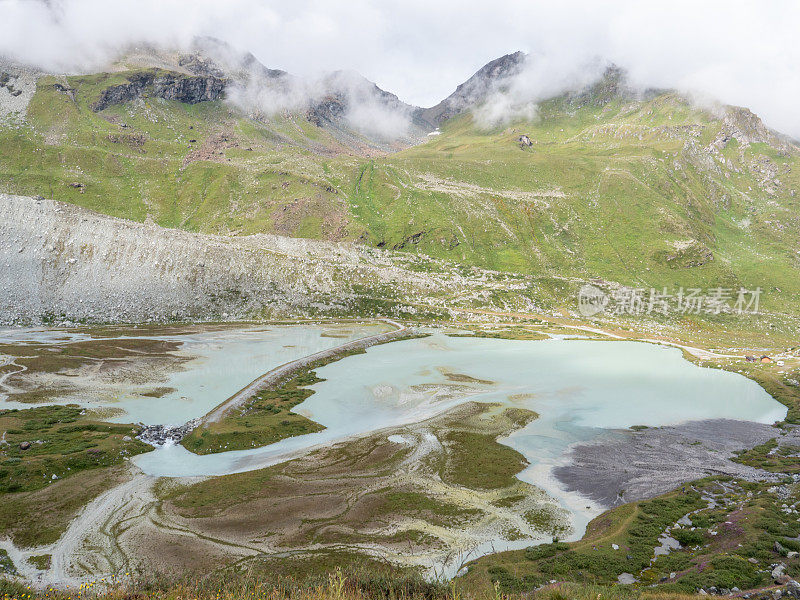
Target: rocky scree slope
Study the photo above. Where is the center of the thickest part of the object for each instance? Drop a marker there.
(63, 263)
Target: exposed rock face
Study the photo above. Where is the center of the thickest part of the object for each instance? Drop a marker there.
(214, 57)
(613, 84)
(349, 103)
(744, 126)
(17, 86)
(190, 90)
(199, 65)
(169, 86)
(162, 435)
(328, 110)
(345, 89)
(475, 89)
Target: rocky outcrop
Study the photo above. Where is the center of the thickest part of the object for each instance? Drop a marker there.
(212, 56)
(328, 110)
(475, 89)
(169, 86)
(200, 65)
(747, 128)
(347, 104)
(17, 86)
(163, 435)
(611, 85)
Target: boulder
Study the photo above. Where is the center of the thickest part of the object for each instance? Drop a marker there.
(792, 588)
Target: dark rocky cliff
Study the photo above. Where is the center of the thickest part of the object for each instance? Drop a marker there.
(190, 89)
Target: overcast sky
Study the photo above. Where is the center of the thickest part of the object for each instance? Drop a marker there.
(743, 53)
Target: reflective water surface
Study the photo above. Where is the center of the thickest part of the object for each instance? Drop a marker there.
(580, 388)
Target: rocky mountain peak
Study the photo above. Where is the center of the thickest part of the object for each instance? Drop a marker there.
(483, 82)
(232, 62)
(747, 128)
(345, 102)
(340, 90)
(611, 85)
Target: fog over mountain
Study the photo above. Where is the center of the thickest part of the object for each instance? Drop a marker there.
(740, 53)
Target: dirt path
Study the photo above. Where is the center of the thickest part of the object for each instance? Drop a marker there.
(286, 370)
(695, 351)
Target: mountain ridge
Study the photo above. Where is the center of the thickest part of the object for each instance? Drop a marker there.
(219, 66)
(475, 88)
(642, 189)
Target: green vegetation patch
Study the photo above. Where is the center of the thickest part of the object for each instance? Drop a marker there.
(50, 443)
(479, 461)
(432, 509)
(41, 517)
(475, 459)
(634, 528)
(771, 457)
(510, 333)
(6, 564)
(217, 493)
(40, 561)
(729, 544)
(265, 419)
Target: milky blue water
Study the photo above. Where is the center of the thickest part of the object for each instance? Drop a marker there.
(580, 388)
(220, 364)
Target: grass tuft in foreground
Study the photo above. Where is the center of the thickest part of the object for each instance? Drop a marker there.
(357, 584)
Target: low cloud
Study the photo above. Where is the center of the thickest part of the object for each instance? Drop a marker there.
(342, 96)
(742, 53)
(538, 78)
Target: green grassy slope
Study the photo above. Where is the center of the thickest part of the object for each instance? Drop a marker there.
(198, 167)
(648, 192)
(731, 545)
(627, 191)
